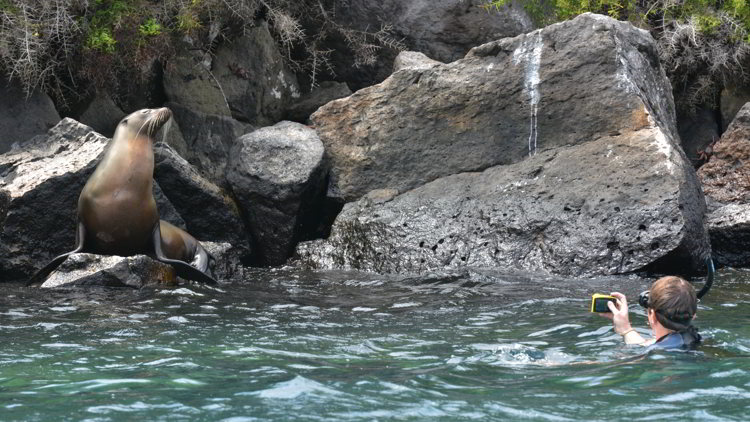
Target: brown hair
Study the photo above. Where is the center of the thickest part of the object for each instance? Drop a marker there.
(674, 301)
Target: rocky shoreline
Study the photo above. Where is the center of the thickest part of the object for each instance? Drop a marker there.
(555, 151)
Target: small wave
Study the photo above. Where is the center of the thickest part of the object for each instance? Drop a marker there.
(182, 291)
(296, 387)
(178, 320)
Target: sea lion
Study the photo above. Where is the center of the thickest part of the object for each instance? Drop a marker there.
(180, 245)
(117, 213)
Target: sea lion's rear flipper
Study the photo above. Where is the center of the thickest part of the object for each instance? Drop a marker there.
(39, 277)
(203, 260)
(182, 268)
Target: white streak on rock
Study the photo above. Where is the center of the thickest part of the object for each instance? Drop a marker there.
(529, 53)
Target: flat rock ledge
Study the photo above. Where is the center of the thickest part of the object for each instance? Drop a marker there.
(110, 271)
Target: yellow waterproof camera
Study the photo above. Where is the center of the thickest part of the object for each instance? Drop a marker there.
(599, 302)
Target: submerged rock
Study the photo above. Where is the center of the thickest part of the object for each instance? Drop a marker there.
(277, 174)
(84, 269)
(726, 183)
(575, 127)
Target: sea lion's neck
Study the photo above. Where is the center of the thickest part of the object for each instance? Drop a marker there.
(129, 155)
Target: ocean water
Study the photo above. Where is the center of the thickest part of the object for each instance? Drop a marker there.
(285, 345)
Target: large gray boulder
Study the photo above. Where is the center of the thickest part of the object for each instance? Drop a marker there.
(209, 212)
(442, 29)
(726, 183)
(23, 116)
(39, 188)
(575, 127)
(569, 83)
(82, 269)
(277, 174)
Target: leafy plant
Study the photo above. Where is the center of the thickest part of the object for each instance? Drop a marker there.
(67, 46)
(703, 44)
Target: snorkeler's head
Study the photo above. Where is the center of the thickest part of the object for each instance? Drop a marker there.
(674, 301)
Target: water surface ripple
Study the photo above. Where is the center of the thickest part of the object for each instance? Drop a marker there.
(290, 345)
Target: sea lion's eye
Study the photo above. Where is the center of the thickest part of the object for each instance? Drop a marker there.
(144, 111)
(124, 122)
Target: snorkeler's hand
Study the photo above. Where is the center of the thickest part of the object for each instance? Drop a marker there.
(619, 315)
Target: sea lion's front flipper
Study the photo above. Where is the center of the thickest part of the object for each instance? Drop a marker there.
(182, 268)
(39, 277)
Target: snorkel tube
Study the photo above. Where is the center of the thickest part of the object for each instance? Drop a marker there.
(643, 297)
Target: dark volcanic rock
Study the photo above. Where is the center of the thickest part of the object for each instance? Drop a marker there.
(628, 207)
(208, 139)
(208, 211)
(729, 227)
(697, 131)
(328, 91)
(254, 77)
(726, 183)
(84, 269)
(563, 85)
(733, 98)
(593, 180)
(442, 29)
(102, 115)
(277, 174)
(726, 176)
(228, 265)
(188, 80)
(41, 183)
(22, 116)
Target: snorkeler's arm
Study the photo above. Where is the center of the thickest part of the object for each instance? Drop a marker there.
(621, 320)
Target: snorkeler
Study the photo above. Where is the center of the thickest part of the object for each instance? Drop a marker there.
(671, 305)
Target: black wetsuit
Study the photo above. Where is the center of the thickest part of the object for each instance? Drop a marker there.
(676, 341)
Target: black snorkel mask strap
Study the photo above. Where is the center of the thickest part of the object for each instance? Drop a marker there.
(643, 297)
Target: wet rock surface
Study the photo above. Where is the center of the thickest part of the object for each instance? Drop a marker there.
(87, 270)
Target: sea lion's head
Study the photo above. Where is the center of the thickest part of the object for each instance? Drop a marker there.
(145, 122)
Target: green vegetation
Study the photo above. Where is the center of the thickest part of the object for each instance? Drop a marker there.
(66, 47)
(704, 45)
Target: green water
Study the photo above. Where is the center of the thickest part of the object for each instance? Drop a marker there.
(285, 345)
